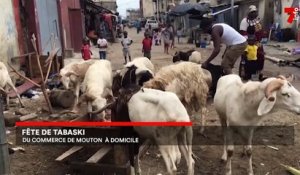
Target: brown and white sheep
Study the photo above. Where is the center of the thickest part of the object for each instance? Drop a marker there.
(188, 81)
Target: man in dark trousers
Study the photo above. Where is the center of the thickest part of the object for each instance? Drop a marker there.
(223, 33)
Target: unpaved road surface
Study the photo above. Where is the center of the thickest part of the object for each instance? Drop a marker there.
(40, 159)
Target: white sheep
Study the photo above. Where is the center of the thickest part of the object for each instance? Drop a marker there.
(191, 56)
(138, 71)
(5, 82)
(97, 85)
(246, 104)
(73, 74)
(188, 81)
(143, 63)
(150, 105)
(195, 57)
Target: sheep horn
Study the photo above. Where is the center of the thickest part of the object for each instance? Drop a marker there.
(271, 87)
(71, 73)
(281, 77)
(109, 105)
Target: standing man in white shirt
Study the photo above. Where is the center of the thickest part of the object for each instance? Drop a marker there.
(126, 42)
(102, 44)
(234, 41)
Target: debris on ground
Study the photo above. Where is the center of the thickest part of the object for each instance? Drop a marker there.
(8, 132)
(10, 119)
(292, 170)
(54, 115)
(272, 147)
(18, 149)
(22, 111)
(62, 98)
(28, 117)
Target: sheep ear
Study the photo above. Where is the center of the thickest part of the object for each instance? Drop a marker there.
(71, 73)
(291, 78)
(266, 105)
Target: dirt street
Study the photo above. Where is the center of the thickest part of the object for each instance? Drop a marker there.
(40, 159)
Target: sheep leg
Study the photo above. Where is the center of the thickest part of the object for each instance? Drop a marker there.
(173, 148)
(137, 167)
(230, 148)
(178, 155)
(89, 109)
(224, 129)
(7, 97)
(76, 92)
(9, 82)
(203, 121)
(185, 146)
(164, 152)
(249, 152)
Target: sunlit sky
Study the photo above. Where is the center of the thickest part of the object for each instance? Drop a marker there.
(126, 4)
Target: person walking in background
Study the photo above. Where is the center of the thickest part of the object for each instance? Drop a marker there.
(102, 44)
(138, 26)
(147, 44)
(126, 42)
(171, 30)
(166, 40)
(156, 37)
(179, 34)
(85, 49)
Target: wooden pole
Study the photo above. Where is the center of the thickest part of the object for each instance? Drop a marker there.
(33, 40)
(28, 79)
(4, 156)
(51, 57)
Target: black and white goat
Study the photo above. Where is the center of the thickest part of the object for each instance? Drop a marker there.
(138, 104)
(130, 75)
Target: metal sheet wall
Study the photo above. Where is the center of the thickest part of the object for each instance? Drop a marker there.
(47, 14)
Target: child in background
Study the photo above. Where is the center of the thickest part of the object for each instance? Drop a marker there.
(85, 49)
(156, 38)
(102, 44)
(147, 43)
(179, 34)
(166, 38)
(250, 54)
(126, 42)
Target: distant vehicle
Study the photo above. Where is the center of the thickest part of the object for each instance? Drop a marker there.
(152, 23)
(131, 24)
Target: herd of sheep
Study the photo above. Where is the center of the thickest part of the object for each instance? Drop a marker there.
(139, 93)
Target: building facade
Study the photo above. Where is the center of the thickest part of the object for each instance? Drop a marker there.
(133, 14)
(8, 33)
(108, 4)
(71, 17)
(147, 8)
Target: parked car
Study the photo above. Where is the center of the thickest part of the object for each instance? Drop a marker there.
(153, 23)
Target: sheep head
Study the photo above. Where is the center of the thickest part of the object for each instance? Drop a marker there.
(280, 93)
(176, 57)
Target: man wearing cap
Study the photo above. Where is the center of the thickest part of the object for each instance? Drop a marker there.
(223, 33)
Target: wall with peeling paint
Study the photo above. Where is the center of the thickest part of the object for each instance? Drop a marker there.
(8, 33)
